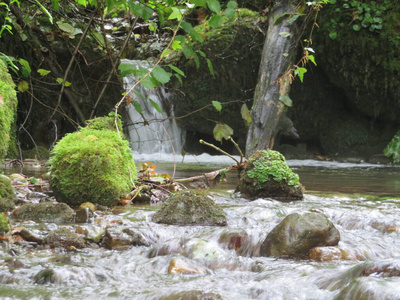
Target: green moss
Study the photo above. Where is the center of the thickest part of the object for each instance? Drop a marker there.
(7, 194)
(92, 166)
(393, 148)
(4, 224)
(271, 165)
(8, 103)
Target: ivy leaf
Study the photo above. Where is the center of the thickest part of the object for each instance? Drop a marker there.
(222, 131)
(217, 105)
(156, 106)
(312, 58)
(284, 34)
(215, 21)
(61, 80)
(161, 75)
(176, 14)
(285, 99)
(26, 69)
(43, 72)
(300, 72)
(214, 5)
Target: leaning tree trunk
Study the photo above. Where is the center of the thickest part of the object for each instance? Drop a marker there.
(277, 58)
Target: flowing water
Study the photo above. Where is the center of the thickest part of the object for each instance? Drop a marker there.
(363, 202)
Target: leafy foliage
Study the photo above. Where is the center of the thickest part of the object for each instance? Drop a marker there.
(393, 148)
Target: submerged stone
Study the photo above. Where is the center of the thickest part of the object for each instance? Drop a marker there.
(298, 233)
(180, 266)
(52, 212)
(65, 238)
(124, 238)
(267, 175)
(190, 208)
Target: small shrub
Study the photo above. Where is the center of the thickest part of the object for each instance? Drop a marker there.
(393, 148)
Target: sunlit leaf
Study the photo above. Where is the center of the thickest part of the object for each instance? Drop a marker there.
(312, 58)
(45, 11)
(26, 69)
(156, 106)
(176, 14)
(214, 5)
(176, 45)
(222, 131)
(300, 72)
(217, 105)
(161, 75)
(244, 111)
(232, 4)
(216, 21)
(23, 86)
(177, 70)
(43, 72)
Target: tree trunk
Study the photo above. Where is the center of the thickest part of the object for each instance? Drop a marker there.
(277, 57)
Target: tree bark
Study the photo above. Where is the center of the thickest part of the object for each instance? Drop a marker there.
(277, 58)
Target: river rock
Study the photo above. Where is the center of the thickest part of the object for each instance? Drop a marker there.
(7, 194)
(325, 254)
(190, 207)
(167, 247)
(267, 175)
(45, 212)
(124, 238)
(238, 241)
(298, 233)
(179, 266)
(204, 250)
(63, 237)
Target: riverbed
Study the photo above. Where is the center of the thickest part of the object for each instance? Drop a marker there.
(362, 200)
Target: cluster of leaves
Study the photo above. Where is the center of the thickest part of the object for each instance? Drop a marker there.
(271, 165)
(393, 148)
(147, 171)
(358, 14)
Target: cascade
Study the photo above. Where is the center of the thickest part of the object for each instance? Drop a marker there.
(162, 134)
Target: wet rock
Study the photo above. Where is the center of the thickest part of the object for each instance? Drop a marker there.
(45, 212)
(7, 194)
(204, 250)
(83, 216)
(325, 254)
(30, 237)
(370, 288)
(166, 248)
(298, 233)
(88, 205)
(63, 237)
(18, 178)
(94, 233)
(190, 208)
(192, 295)
(124, 238)
(45, 276)
(267, 175)
(179, 266)
(238, 241)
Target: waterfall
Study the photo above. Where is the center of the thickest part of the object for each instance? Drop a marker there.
(162, 134)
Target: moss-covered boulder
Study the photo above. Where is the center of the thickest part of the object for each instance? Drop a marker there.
(92, 165)
(190, 208)
(267, 175)
(46, 212)
(298, 233)
(7, 194)
(8, 105)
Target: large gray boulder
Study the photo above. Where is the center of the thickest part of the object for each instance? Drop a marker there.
(298, 233)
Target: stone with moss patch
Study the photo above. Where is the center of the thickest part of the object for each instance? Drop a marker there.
(45, 212)
(267, 175)
(8, 105)
(64, 237)
(190, 208)
(4, 224)
(7, 194)
(92, 165)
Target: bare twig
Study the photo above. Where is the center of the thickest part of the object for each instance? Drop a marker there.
(219, 150)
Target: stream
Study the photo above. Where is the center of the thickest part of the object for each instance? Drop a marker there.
(362, 200)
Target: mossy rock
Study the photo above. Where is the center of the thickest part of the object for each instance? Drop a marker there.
(190, 208)
(64, 237)
(8, 105)
(45, 212)
(7, 194)
(92, 165)
(267, 175)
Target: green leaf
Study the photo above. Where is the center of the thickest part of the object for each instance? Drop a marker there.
(161, 75)
(222, 131)
(45, 11)
(200, 3)
(196, 36)
(23, 86)
(230, 13)
(232, 4)
(43, 72)
(176, 45)
(165, 52)
(244, 111)
(333, 35)
(300, 72)
(179, 78)
(312, 58)
(202, 54)
(176, 14)
(285, 99)
(149, 82)
(177, 70)
(284, 34)
(55, 4)
(217, 105)
(215, 21)
(66, 27)
(210, 66)
(99, 38)
(126, 69)
(294, 18)
(137, 106)
(356, 27)
(26, 69)
(214, 5)
(156, 106)
(61, 80)
(187, 27)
